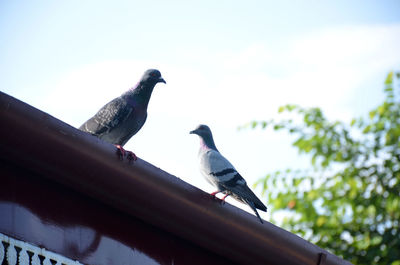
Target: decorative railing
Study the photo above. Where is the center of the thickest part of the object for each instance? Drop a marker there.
(22, 253)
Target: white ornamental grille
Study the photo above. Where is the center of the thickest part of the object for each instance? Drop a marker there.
(14, 252)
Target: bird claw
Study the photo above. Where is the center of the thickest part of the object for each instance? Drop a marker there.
(214, 196)
(121, 152)
(223, 198)
(214, 193)
(131, 156)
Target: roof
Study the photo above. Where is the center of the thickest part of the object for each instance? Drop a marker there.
(90, 166)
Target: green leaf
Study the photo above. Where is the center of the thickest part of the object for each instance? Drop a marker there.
(389, 79)
(321, 220)
(372, 114)
(388, 89)
(296, 182)
(367, 129)
(264, 124)
(381, 110)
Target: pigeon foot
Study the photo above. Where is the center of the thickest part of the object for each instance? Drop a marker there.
(213, 195)
(121, 152)
(131, 156)
(223, 198)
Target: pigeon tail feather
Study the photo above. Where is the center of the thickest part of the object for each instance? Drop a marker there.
(253, 207)
(245, 194)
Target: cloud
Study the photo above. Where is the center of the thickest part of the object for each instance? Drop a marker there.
(322, 68)
(346, 46)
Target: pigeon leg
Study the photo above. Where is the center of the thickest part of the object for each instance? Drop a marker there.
(223, 198)
(120, 151)
(214, 193)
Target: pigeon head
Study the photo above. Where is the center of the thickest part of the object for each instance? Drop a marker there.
(204, 132)
(152, 76)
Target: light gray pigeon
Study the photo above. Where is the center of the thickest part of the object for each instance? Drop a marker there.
(219, 172)
(121, 118)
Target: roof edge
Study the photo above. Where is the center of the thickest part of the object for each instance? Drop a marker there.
(64, 154)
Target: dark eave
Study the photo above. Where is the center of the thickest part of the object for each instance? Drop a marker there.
(37, 141)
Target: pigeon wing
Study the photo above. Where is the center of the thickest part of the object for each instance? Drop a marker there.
(216, 168)
(108, 117)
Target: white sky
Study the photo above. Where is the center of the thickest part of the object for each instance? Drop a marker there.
(225, 62)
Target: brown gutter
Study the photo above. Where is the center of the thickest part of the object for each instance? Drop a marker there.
(40, 142)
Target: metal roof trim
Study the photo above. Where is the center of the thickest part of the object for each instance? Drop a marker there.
(64, 154)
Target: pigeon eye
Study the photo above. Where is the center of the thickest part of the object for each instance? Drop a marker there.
(153, 74)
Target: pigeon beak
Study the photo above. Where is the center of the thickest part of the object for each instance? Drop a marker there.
(161, 80)
(193, 132)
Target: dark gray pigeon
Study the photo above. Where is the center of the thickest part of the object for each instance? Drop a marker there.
(121, 118)
(219, 172)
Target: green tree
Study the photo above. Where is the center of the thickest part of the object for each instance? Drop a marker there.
(348, 202)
